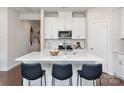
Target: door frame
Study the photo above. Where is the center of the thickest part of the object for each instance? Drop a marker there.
(108, 40)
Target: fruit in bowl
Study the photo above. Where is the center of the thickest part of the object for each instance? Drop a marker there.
(54, 52)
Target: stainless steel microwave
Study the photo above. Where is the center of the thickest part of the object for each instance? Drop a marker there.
(64, 34)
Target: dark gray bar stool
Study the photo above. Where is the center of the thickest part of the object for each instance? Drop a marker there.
(62, 72)
(32, 72)
(89, 72)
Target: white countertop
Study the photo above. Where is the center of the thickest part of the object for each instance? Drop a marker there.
(47, 60)
(41, 56)
(119, 52)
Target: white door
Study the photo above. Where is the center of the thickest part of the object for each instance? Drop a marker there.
(99, 41)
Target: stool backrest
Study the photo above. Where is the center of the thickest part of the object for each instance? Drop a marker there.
(31, 71)
(91, 71)
(62, 71)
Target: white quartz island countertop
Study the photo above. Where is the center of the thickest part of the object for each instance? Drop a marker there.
(47, 60)
(45, 56)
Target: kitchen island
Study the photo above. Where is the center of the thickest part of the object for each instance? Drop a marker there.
(46, 60)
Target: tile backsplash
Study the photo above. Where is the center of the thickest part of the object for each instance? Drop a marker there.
(53, 44)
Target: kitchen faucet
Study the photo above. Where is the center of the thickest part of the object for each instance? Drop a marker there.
(65, 46)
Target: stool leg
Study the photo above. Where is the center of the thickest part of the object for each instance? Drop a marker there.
(41, 81)
(22, 82)
(77, 78)
(93, 83)
(53, 81)
(45, 79)
(70, 81)
(29, 82)
(100, 82)
(80, 81)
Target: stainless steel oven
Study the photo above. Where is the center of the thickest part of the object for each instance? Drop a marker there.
(65, 34)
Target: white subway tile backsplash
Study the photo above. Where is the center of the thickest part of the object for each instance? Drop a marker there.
(53, 44)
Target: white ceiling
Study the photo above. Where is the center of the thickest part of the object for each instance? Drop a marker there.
(49, 9)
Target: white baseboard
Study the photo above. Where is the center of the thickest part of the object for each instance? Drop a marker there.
(119, 76)
(10, 67)
(111, 73)
(3, 69)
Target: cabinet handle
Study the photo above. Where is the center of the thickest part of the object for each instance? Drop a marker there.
(91, 48)
(116, 56)
(65, 27)
(120, 63)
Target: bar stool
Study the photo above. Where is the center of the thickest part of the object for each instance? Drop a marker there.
(62, 72)
(90, 72)
(32, 72)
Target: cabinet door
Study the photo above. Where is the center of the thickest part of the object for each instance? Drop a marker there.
(115, 63)
(78, 28)
(68, 20)
(121, 66)
(51, 28)
(48, 28)
(65, 20)
(54, 28)
(62, 21)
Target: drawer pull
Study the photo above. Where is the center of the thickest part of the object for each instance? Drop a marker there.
(120, 63)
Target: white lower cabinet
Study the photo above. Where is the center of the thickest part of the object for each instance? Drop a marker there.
(118, 65)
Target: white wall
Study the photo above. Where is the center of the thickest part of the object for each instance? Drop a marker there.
(3, 38)
(97, 14)
(117, 43)
(15, 38)
(113, 17)
(19, 37)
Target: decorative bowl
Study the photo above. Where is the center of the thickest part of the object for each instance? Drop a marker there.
(54, 52)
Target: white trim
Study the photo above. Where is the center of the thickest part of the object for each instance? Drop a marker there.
(10, 67)
(30, 16)
(3, 69)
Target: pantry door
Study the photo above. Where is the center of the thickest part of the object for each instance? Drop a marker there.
(99, 41)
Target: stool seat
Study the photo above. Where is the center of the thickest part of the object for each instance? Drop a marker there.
(89, 72)
(32, 72)
(62, 72)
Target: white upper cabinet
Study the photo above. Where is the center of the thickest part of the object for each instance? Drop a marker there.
(78, 28)
(65, 20)
(122, 23)
(51, 28)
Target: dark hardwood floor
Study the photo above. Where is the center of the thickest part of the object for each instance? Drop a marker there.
(13, 78)
(108, 80)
